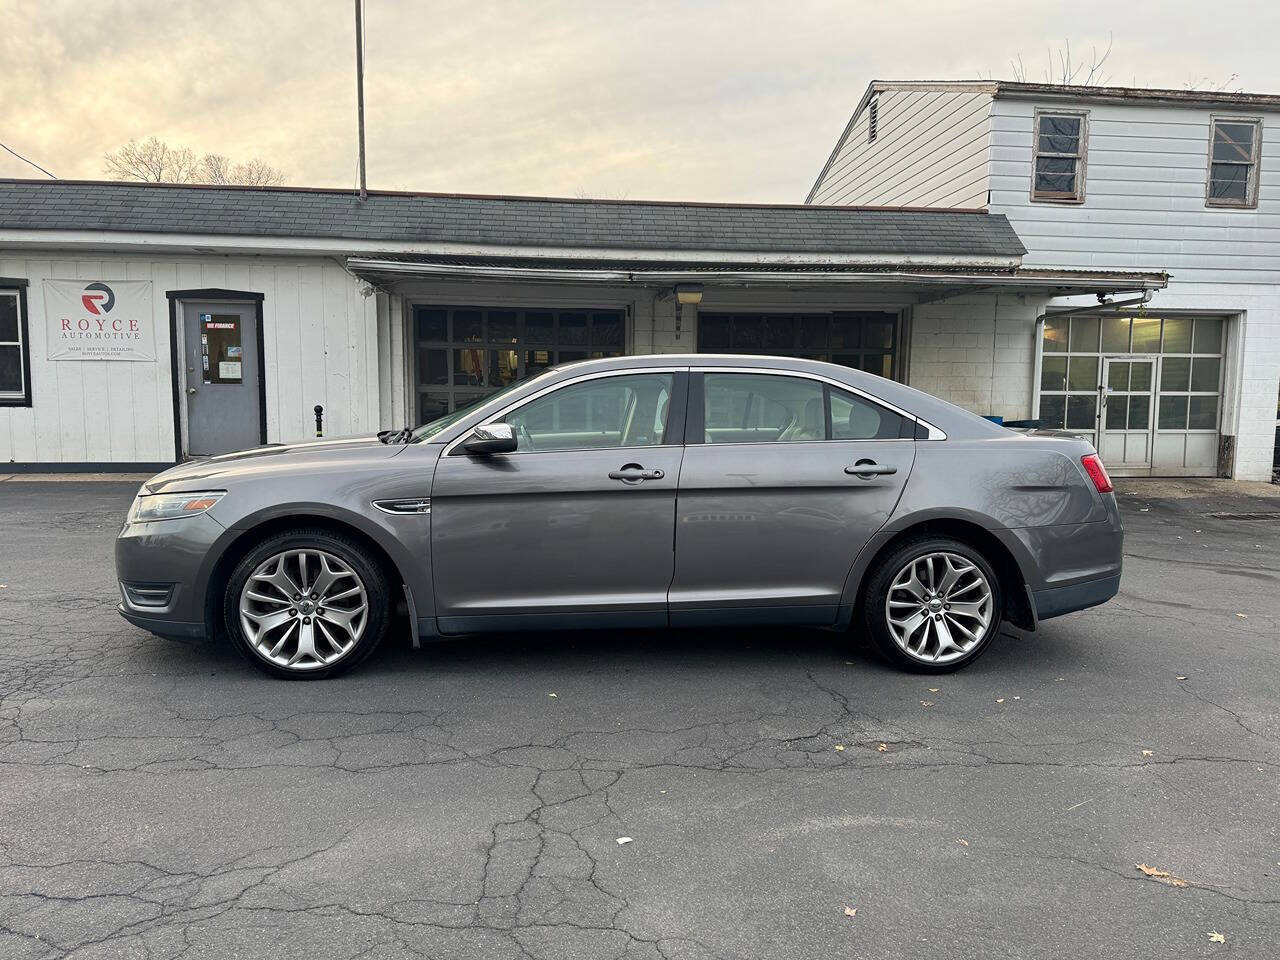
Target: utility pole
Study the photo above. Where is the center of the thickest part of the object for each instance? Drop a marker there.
(364, 191)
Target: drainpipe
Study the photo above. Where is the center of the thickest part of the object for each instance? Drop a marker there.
(1103, 305)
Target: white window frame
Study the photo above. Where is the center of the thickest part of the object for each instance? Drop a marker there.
(17, 289)
(1080, 157)
(1250, 201)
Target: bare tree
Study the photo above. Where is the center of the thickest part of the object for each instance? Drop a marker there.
(1217, 86)
(216, 168)
(1061, 69)
(154, 161)
(151, 161)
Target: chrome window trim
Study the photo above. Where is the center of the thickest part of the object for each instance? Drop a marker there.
(598, 375)
(934, 432)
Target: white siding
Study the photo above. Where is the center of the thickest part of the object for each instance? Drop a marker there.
(1144, 197)
(930, 151)
(1145, 209)
(320, 339)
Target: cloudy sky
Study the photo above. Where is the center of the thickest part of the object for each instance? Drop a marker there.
(727, 100)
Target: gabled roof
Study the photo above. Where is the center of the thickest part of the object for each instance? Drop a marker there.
(392, 219)
(1018, 90)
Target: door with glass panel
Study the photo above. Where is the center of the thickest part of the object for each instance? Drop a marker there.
(578, 522)
(1128, 385)
(784, 479)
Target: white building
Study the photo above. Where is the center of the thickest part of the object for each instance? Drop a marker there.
(141, 324)
(1177, 181)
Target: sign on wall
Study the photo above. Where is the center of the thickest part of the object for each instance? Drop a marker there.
(99, 320)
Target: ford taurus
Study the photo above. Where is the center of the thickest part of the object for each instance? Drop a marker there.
(644, 491)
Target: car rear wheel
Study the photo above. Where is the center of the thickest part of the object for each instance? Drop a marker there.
(307, 604)
(933, 605)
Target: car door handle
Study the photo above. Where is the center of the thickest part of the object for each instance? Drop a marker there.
(869, 468)
(634, 473)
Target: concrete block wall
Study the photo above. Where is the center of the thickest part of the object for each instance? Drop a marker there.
(977, 351)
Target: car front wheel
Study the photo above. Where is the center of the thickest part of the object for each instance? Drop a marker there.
(307, 604)
(934, 605)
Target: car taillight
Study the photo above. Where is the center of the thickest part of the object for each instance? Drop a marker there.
(1092, 464)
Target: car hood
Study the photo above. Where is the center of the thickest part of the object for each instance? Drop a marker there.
(214, 472)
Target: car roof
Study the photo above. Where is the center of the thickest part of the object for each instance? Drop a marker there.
(955, 422)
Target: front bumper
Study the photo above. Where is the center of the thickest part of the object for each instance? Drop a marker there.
(171, 554)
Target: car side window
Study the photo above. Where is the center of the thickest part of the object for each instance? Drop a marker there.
(853, 418)
(768, 408)
(622, 411)
(762, 408)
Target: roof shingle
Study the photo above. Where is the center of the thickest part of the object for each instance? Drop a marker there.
(502, 221)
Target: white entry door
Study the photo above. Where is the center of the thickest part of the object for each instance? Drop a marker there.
(1125, 428)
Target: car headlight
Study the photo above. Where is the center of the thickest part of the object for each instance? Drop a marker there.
(171, 506)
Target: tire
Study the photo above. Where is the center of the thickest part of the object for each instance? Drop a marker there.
(283, 631)
(970, 609)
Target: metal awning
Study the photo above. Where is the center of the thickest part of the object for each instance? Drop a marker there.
(922, 282)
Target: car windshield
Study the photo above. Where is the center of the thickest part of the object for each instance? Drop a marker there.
(430, 429)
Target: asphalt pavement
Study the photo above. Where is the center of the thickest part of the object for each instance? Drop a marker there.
(786, 795)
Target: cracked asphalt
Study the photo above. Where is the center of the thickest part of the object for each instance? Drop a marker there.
(162, 799)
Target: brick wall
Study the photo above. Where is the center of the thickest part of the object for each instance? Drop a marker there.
(977, 351)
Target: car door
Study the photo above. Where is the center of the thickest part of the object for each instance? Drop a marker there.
(577, 526)
(785, 478)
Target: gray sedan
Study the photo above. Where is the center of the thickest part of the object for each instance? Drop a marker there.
(647, 491)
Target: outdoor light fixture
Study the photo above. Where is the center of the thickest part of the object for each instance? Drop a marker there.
(688, 293)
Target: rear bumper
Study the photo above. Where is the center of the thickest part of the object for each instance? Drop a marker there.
(1056, 601)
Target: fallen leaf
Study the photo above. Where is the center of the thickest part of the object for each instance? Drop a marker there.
(883, 748)
(1017, 698)
(933, 689)
(1148, 753)
(1056, 679)
(550, 694)
(963, 843)
(926, 703)
(622, 840)
(1216, 937)
(840, 747)
(1164, 876)
(850, 911)
(1000, 700)
(1179, 678)
(1243, 616)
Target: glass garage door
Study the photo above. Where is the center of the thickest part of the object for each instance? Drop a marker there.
(864, 340)
(465, 353)
(1147, 390)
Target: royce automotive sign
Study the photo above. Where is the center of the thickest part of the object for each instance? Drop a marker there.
(99, 320)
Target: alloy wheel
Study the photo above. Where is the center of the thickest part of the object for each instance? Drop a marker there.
(939, 607)
(303, 609)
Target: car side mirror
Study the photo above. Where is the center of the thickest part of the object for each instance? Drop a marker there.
(490, 438)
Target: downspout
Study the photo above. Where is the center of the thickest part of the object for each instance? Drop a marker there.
(1104, 305)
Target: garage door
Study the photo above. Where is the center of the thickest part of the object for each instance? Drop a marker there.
(465, 353)
(862, 339)
(1147, 390)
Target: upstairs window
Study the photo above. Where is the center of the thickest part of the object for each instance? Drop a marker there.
(1060, 146)
(1234, 148)
(15, 358)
